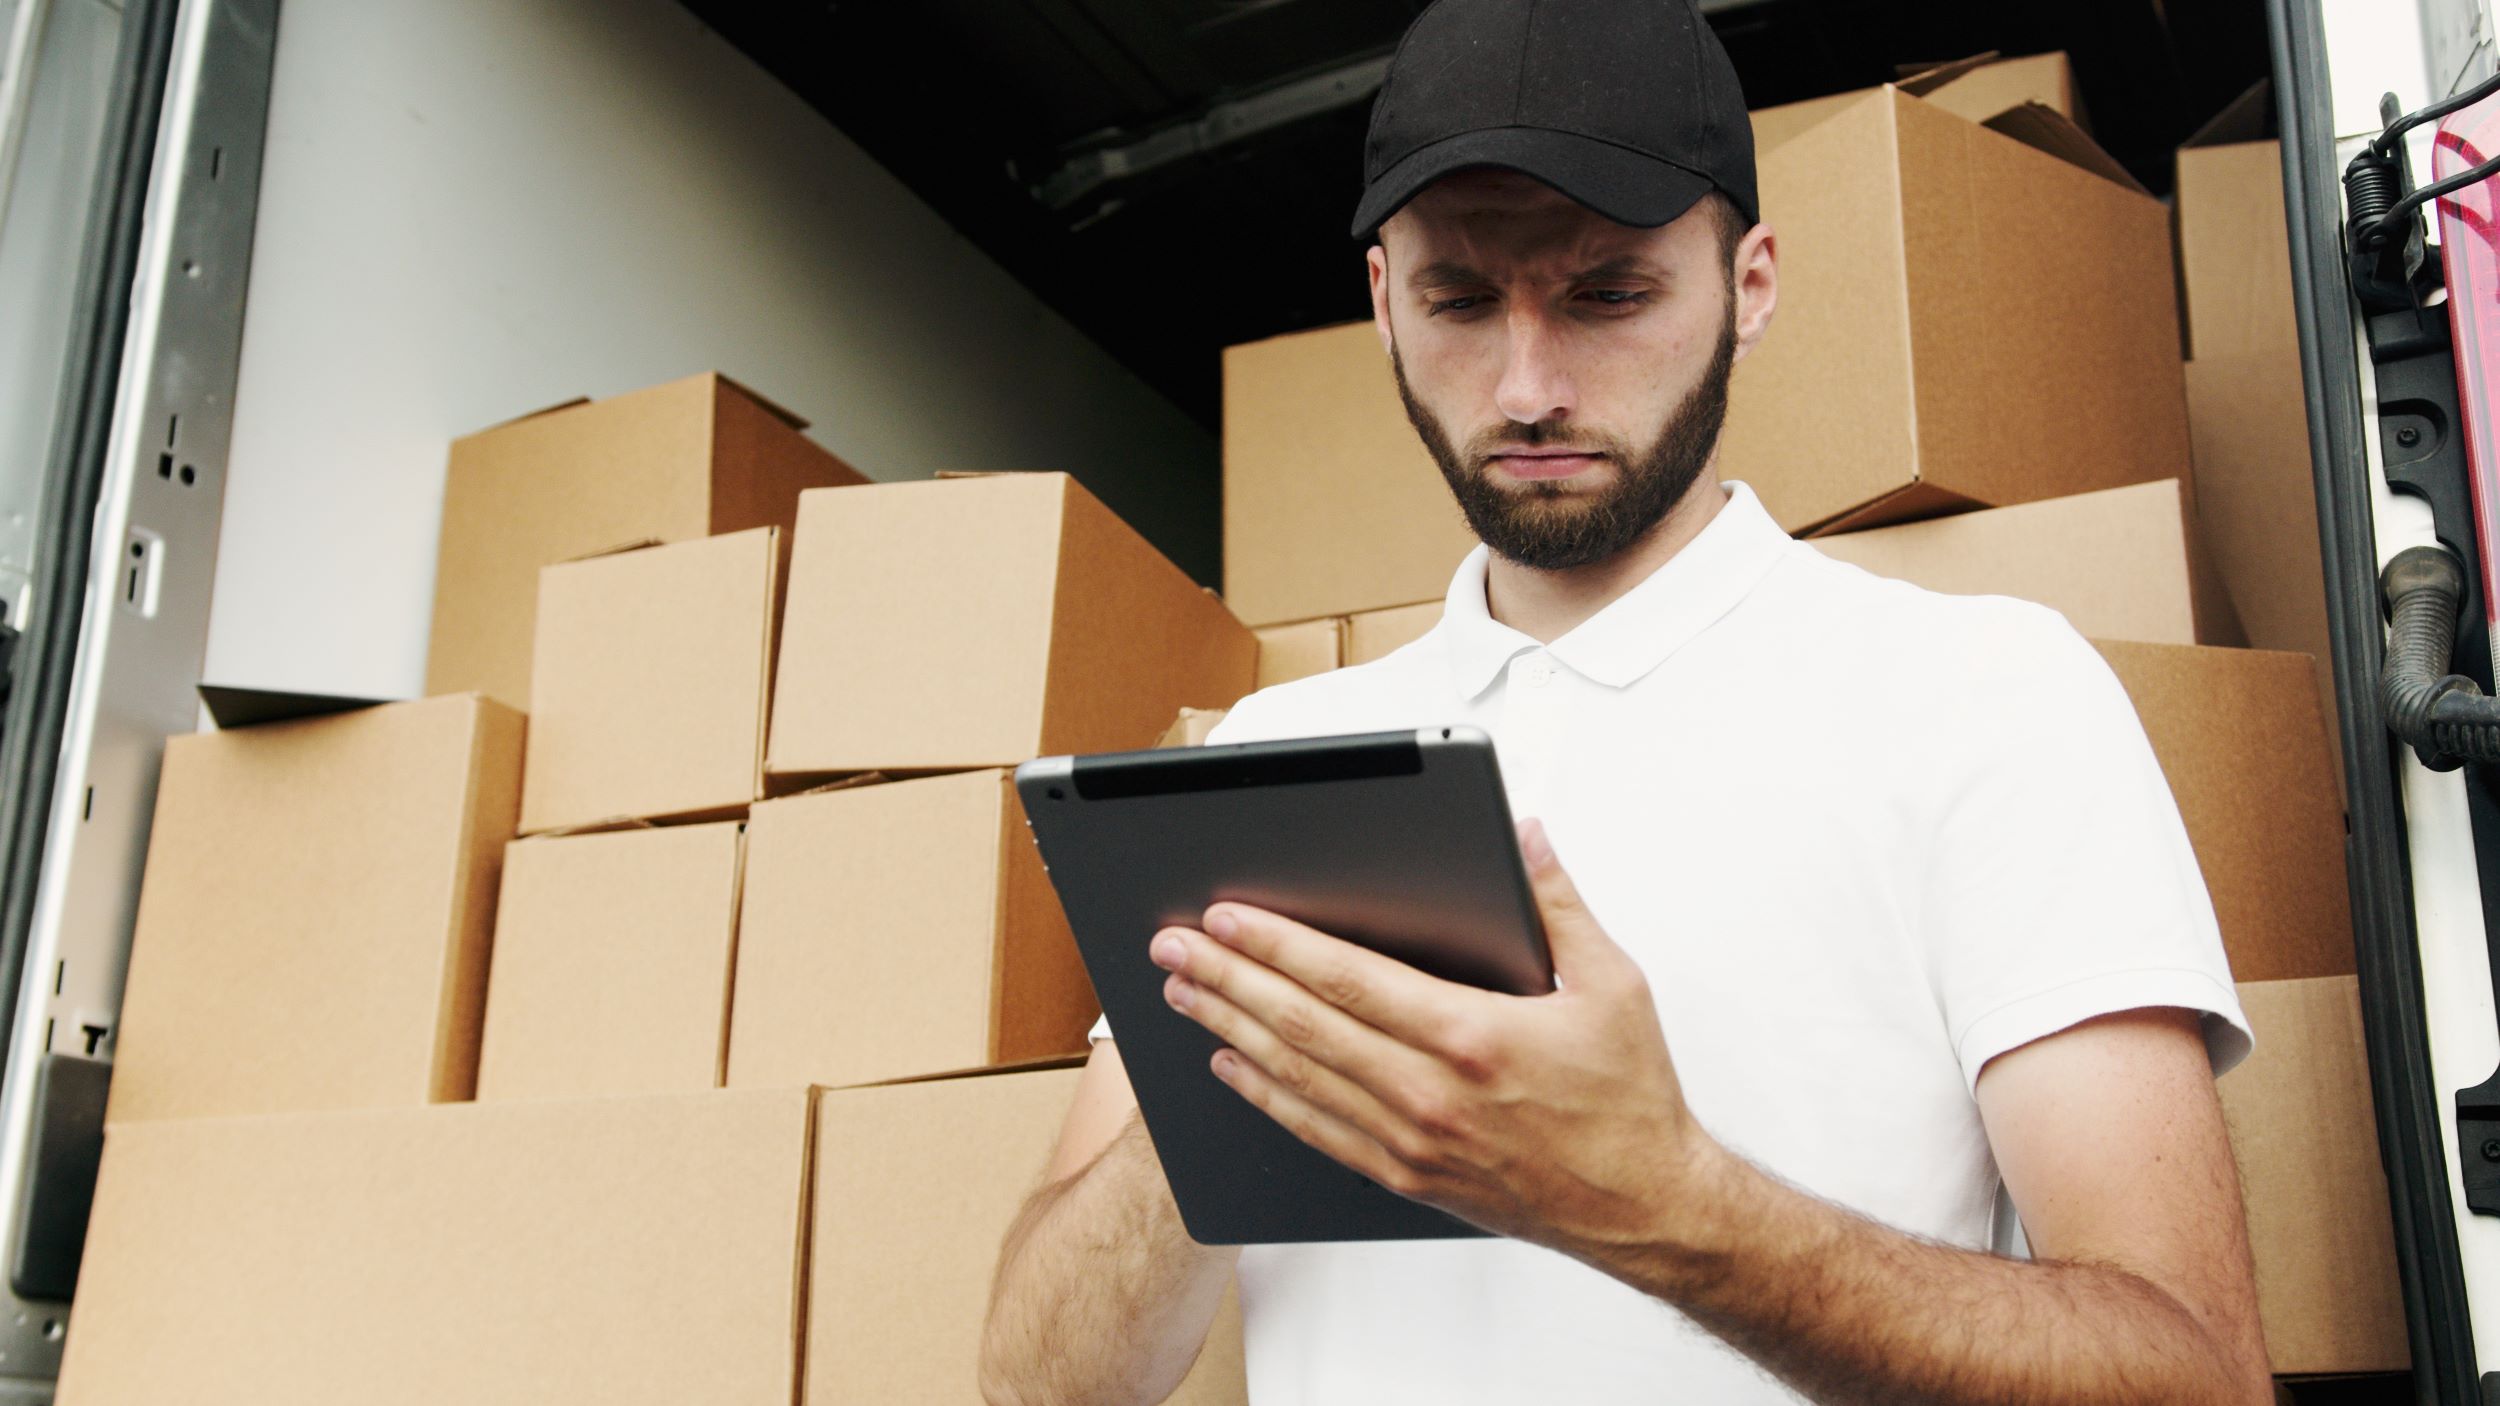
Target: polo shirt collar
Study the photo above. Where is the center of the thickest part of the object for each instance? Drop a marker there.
(1638, 629)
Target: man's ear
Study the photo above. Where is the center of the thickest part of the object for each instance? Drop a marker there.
(1376, 262)
(1755, 274)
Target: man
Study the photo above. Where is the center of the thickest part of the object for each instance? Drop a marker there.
(1876, 898)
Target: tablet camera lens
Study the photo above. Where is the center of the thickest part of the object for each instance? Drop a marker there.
(1056, 794)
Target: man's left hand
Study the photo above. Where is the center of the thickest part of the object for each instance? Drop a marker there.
(1556, 1119)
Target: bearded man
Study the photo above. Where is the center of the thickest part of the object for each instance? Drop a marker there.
(1878, 905)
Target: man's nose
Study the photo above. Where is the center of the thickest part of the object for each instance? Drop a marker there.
(1535, 385)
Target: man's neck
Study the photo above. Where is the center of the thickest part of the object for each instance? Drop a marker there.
(1546, 605)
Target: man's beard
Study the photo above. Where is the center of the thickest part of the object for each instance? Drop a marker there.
(1549, 528)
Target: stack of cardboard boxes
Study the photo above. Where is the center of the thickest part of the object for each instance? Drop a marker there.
(766, 1014)
(1975, 382)
(700, 1047)
(2246, 408)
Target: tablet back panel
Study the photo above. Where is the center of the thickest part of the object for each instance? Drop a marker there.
(1400, 841)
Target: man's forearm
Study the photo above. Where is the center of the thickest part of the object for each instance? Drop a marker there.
(1848, 1311)
(1101, 1295)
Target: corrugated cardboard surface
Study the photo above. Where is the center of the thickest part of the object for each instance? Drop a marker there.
(651, 679)
(313, 928)
(1976, 91)
(1961, 314)
(899, 594)
(619, 1251)
(1299, 650)
(2045, 129)
(916, 1186)
(2269, 837)
(2043, 316)
(1042, 1000)
(982, 622)
(1190, 729)
(2235, 254)
(1133, 638)
(2303, 1130)
(897, 930)
(1331, 503)
(2122, 563)
(1818, 414)
(1377, 633)
(2259, 504)
(612, 964)
(1992, 88)
(686, 459)
(762, 465)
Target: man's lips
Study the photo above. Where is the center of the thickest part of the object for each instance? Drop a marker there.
(1544, 464)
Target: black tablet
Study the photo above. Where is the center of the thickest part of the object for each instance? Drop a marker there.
(1401, 841)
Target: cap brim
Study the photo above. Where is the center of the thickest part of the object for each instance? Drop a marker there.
(1626, 186)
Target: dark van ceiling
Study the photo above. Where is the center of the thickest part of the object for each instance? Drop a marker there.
(1174, 176)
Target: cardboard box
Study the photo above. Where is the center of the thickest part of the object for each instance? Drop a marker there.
(1299, 650)
(2242, 742)
(916, 1186)
(1375, 634)
(2122, 563)
(1331, 503)
(624, 1251)
(2247, 411)
(2306, 1138)
(1359, 638)
(691, 458)
(313, 927)
(897, 930)
(1968, 316)
(1977, 88)
(652, 677)
(612, 964)
(985, 621)
(1190, 729)
(2259, 504)
(2235, 255)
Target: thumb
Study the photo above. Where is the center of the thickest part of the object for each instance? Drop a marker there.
(1581, 949)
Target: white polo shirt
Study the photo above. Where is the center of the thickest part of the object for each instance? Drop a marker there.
(1861, 836)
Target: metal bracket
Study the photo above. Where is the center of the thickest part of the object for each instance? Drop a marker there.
(1224, 124)
(2421, 434)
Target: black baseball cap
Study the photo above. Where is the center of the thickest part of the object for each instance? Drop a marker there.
(1629, 107)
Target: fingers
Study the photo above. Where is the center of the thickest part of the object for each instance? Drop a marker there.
(1413, 1007)
(1572, 936)
(1332, 1136)
(1288, 1014)
(1297, 1073)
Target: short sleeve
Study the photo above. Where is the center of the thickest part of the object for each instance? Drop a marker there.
(1226, 729)
(2061, 884)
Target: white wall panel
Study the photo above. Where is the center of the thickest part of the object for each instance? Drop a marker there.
(471, 208)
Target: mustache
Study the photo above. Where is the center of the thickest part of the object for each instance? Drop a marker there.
(1483, 445)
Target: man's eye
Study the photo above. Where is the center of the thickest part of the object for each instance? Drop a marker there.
(1619, 297)
(1439, 306)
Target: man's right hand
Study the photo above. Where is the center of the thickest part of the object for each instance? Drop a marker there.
(1100, 1294)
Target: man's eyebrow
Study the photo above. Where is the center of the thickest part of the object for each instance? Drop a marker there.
(1620, 266)
(1441, 273)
